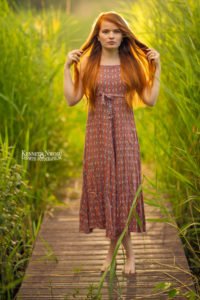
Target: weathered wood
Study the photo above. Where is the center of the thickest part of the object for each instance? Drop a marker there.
(159, 257)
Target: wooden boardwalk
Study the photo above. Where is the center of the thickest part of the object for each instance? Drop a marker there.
(159, 257)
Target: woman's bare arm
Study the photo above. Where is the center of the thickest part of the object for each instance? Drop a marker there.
(68, 85)
(150, 96)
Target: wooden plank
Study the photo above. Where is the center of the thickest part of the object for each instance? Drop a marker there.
(159, 257)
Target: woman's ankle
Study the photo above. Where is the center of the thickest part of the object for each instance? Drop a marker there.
(130, 255)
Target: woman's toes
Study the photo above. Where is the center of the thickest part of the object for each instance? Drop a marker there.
(129, 267)
(103, 268)
(105, 265)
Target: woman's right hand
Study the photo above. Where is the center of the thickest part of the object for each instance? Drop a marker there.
(73, 56)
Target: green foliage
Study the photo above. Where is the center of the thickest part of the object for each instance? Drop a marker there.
(15, 230)
(35, 117)
(173, 292)
(169, 132)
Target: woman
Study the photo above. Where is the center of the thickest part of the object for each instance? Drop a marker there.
(117, 71)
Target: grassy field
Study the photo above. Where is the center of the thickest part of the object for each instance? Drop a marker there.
(35, 118)
(171, 130)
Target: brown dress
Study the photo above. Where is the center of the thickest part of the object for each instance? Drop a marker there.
(111, 161)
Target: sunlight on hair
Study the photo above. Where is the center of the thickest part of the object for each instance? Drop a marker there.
(136, 71)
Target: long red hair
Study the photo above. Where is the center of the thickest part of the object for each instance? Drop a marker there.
(137, 72)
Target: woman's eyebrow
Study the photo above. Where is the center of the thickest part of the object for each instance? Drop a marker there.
(110, 29)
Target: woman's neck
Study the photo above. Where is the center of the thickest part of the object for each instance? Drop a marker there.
(110, 56)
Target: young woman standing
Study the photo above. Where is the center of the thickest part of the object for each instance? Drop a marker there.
(115, 69)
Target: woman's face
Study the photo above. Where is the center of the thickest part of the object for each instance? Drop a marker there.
(109, 35)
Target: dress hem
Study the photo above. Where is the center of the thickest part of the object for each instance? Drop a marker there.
(109, 236)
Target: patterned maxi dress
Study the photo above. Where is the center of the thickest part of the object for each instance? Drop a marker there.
(111, 161)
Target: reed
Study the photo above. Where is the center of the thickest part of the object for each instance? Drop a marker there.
(172, 126)
(34, 117)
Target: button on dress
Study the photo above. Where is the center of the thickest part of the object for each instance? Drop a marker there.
(111, 161)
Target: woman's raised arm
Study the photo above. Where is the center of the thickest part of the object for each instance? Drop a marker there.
(68, 85)
(150, 96)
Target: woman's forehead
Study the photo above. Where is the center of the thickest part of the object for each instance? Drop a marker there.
(108, 25)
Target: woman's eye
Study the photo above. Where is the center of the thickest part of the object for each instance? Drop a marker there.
(115, 31)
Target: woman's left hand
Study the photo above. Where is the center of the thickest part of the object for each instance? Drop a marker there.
(153, 54)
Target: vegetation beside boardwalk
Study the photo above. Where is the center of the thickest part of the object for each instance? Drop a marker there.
(35, 117)
(169, 133)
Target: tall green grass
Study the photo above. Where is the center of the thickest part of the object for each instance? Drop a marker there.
(170, 131)
(34, 117)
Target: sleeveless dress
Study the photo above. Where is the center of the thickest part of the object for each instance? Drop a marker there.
(111, 161)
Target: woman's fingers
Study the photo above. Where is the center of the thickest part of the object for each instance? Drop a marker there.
(152, 54)
(78, 52)
(73, 56)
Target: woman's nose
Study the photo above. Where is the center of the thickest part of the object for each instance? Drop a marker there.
(111, 34)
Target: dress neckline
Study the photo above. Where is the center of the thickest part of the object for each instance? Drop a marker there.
(110, 65)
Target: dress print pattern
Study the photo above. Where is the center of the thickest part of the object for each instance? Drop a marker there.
(111, 161)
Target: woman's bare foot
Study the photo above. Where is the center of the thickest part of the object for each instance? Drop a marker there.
(107, 262)
(109, 257)
(129, 267)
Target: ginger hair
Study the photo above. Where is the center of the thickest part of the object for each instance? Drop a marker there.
(136, 70)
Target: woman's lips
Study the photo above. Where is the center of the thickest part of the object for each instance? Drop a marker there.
(111, 43)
